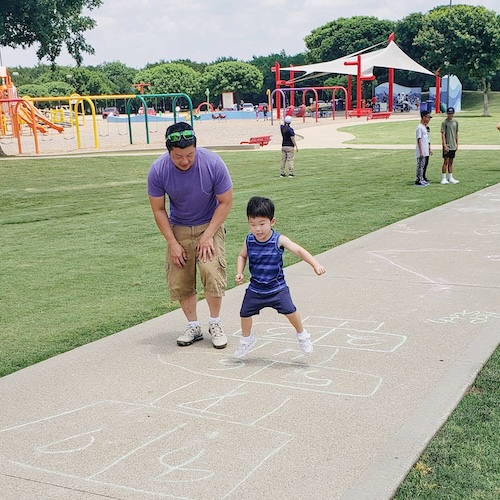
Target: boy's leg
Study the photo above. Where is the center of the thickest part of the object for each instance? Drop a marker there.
(251, 305)
(420, 170)
(295, 320)
(444, 170)
(426, 164)
(451, 179)
(247, 340)
(303, 337)
(246, 326)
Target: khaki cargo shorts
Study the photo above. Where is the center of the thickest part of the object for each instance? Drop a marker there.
(181, 283)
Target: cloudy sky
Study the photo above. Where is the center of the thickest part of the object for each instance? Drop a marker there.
(140, 32)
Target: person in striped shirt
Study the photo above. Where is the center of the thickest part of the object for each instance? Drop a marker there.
(263, 249)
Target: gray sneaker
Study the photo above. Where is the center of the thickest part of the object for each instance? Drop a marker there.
(190, 336)
(219, 340)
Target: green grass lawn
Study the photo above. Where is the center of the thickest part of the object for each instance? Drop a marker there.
(81, 258)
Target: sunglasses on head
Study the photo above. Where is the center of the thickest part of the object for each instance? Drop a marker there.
(177, 136)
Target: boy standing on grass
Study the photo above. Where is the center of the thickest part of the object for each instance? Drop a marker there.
(449, 137)
(423, 149)
(264, 248)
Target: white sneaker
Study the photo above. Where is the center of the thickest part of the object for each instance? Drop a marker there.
(451, 180)
(444, 181)
(244, 347)
(219, 340)
(305, 343)
(191, 334)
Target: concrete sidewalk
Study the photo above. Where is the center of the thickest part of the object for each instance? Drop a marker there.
(402, 322)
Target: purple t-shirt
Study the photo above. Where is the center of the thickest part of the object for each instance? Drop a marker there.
(192, 193)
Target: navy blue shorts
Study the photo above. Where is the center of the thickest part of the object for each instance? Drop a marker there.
(449, 154)
(280, 301)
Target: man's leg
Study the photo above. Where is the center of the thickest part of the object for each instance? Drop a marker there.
(188, 305)
(283, 162)
(192, 333)
(214, 305)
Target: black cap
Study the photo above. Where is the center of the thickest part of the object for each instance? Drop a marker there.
(450, 110)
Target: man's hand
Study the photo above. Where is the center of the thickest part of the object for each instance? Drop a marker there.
(178, 255)
(206, 249)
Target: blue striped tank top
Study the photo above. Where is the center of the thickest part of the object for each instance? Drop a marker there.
(265, 262)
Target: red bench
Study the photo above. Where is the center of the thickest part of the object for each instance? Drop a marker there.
(263, 140)
(360, 112)
(379, 115)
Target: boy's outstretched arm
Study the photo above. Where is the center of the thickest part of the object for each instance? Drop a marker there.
(241, 263)
(287, 243)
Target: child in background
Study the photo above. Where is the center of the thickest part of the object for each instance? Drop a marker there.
(423, 148)
(264, 248)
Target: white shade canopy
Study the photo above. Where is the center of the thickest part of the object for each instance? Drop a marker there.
(389, 57)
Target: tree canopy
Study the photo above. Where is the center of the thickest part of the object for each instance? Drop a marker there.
(344, 36)
(233, 76)
(170, 78)
(51, 24)
(462, 40)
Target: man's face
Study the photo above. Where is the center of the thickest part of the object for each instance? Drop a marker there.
(449, 116)
(183, 159)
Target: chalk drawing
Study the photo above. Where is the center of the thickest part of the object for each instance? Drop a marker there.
(472, 317)
(189, 438)
(405, 228)
(491, 229)
(71, 444)
(277, 351)
(158, 459)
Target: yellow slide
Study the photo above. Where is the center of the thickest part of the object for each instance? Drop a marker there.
(42, 124)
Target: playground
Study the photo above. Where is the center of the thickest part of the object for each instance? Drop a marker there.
(77, 128)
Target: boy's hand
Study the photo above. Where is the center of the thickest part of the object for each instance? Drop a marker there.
(319, 269)
(239, 279)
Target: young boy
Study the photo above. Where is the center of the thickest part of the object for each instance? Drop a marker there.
(263, 248)
(423, 148)
(449, 138)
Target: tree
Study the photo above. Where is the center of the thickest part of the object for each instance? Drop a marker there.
(120, 76)
(33, 90)
(345, 36)
(233, 76)
(265, 63)
(51, 24)
(404, 33)
(171, 78)
(462, 40)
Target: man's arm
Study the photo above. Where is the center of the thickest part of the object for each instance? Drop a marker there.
(161, 218)
(206, 242)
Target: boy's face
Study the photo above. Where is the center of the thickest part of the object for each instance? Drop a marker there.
(261, 227)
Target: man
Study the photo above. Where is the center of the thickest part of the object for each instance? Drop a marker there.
(423, 148)
(199, 189)
(288, 147)
(449, 138)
